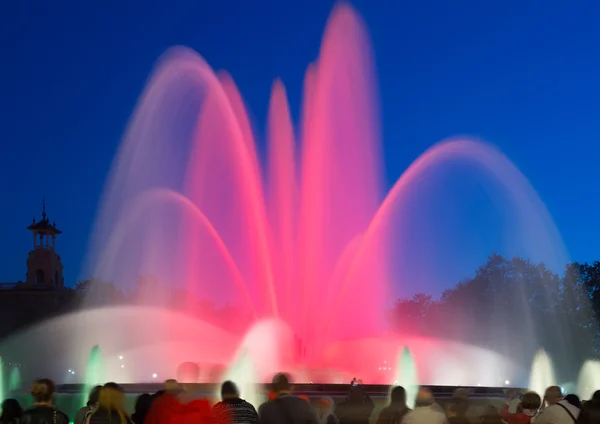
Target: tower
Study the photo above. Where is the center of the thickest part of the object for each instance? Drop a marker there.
(44, 266)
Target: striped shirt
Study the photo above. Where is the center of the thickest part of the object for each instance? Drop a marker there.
(235, 411)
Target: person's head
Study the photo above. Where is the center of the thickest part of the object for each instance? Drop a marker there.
(573, 400)
(11, 411)
(356, 394)
(596, 396)
(229, 390)
(43, 391)
(452, 410)
(460, 402)
(590, 412)
(281, 383)
(424, 398)
(112, 399)
(188, 372)
(94, 396)
(553, 395)
(491, 416)
(325, 406)
(172, 387)
(142, 404)
(530, 402)
(398, 396)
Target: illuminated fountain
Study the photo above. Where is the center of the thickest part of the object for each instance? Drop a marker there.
(296, 248)
(306, 240)
(94, 372)
(542, 373)
(14, 379)
(406, 376)
(589, 379)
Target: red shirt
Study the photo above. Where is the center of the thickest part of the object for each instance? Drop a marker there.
(518, 418)
(167, 409)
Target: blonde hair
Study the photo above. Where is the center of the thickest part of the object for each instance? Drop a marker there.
(112, 399)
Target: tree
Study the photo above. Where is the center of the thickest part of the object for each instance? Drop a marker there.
(514, 307)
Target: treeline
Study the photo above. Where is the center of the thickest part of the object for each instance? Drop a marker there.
(513, 306)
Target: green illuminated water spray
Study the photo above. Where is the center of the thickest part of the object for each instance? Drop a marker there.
(94, 372)
(2, 385)
(406, 376)
(14, 379)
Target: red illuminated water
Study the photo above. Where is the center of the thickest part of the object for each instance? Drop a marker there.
(302, 237)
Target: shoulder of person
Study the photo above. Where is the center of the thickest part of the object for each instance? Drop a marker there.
(62, 416)
(264, 406)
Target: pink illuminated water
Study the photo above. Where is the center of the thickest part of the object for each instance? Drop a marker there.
(304, 239)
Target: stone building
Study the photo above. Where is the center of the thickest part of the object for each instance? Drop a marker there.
(43, 293)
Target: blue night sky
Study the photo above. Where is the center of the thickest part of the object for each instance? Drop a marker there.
(521, 74)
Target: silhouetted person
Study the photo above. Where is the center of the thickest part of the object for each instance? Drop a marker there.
(528, 409)
(458, 407)
(91, 404)
(232, 409)
(111, 407)
(558, 411)
(394, 413)
(590, 412)
(357, 407)
(11, 412)
(173, 406)
(285, 409)
(456, 413)
(43, 411)
(491, 415)
(142, 406)
(573, 400)
(324, 409)
(426, 411)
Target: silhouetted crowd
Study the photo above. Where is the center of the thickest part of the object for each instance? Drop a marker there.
(179, 404)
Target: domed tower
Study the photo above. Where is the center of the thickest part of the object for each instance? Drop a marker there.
(44, 266)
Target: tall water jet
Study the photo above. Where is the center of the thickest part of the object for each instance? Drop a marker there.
(243, 373)
(14, 379)
(589, 379)
(542, 373)
(407, 376)
(94, 372)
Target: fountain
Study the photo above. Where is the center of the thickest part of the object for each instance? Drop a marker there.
(542, 373)
(14, 379)
(243, 373)
(94, 372)
(304, 239)
(589, 379)
(293, 249)
(406, 376)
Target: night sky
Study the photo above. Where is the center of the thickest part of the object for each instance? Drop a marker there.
(521, 75)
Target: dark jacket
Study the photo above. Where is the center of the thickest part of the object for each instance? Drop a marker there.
(353, 412)
(81, 414)
(287, 410)
(392, 414)
(235, 411)
(44, 415)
